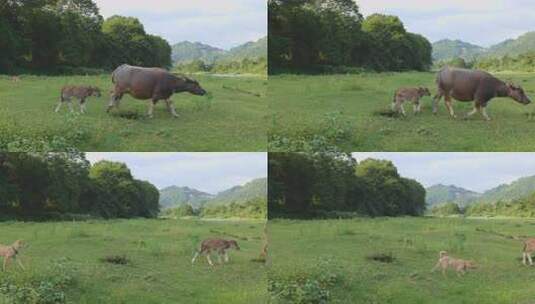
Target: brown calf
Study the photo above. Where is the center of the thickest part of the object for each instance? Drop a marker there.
(79, 92)
(409, 94)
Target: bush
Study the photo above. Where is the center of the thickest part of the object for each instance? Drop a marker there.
(311, 286)
(332, 131)
(446, 209)
(48, 288)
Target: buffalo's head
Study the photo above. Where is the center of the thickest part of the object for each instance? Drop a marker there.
(422, 91)
(192, 86)
(517, 93)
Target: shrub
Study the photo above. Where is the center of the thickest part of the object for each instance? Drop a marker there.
(310, 286)
(48, 288)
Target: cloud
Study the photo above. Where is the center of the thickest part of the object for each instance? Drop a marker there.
(483, 22)
(474, 171)
(210, 172)
(222, 23)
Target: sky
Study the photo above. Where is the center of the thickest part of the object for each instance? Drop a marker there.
(208, 172)
(482, 22)
(220, 23)
(472, 171)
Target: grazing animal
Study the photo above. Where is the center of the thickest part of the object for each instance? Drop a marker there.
(150, 83)
(445, 261)
(15, 79)
(473, 85)
(529, 248)
(220, 246)
(11, 252)
(409, 94)
(79, 92)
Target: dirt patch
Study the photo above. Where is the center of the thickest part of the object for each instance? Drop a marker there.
(382, 257)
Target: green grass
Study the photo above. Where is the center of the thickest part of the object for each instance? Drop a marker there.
(233, 119)
(160, 253)
(298, 103)
(414, 243)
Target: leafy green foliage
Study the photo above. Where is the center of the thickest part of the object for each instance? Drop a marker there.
(312, 185)
(254, 208)
(312, 285)
(47, 185)
(44, 288)
(44, 35)
(522, 207)
(446, 209)
(306, 35)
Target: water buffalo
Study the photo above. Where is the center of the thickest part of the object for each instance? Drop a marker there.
(473, 85)
(150, 83)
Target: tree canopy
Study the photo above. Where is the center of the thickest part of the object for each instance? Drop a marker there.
(311, 34)
(46, 34)
(310, 185)
(49, 185)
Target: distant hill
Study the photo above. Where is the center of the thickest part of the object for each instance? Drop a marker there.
(188, 51)
(174, 196)
(185, 52)
(513, 47)
(519, 188)
(449, 49)
(439, 194)
(241, 194)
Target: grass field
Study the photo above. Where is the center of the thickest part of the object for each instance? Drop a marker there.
(414, 244)
(233, 119)
(159, 252)
(301, 104)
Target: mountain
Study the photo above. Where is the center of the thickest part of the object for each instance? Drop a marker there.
(188, 51)
(176, 196)
(448, 49)
(520, 188)
(241, 194)
(251, 50)
(439, 194)
(185, 52)
(513, 47)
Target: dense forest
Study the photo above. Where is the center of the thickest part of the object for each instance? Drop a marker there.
(311, 35)
(64, 185)
(68, 35)
(333, 185)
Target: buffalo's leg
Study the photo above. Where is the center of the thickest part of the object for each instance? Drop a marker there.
(171, 107)
(151, 108)
(449, 105)
(226, 257)
(484, 113)
(477, 108)
(114, 100)
(402, 110)
(436, 100)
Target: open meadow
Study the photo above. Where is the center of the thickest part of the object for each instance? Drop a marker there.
(389, 260)
(133, 261)
(352, 112)
(232, 117)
